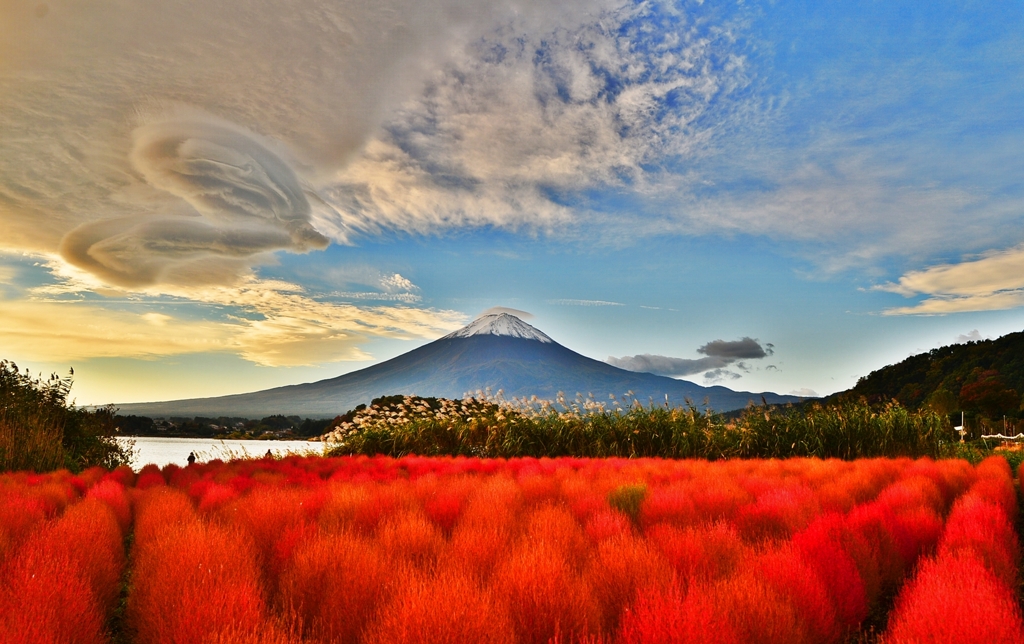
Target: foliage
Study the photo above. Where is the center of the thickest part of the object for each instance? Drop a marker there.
(628, 499)
(987, 393)
(986, 377)
(222, 426)
(583, 428)
(40, 430)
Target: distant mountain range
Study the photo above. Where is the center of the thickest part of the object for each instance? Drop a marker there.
(496, 351)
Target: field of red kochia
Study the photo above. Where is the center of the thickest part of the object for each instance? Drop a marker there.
(440, 550)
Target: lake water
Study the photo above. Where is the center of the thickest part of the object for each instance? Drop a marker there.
(163, 451)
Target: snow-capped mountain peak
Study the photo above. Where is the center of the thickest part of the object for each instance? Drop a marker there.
(499, 324)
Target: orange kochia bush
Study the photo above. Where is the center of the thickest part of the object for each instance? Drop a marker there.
(525, 551)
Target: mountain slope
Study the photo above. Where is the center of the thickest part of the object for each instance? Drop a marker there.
(960, 374)
(499, 353)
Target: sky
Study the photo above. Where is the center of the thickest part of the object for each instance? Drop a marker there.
(203, 198)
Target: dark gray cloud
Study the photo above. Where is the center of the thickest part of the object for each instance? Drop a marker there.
(718, 375)
(720, 354)
(744, 349)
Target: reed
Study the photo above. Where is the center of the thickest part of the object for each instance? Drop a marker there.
(508, 429)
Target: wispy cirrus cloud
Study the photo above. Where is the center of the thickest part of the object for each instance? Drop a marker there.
(514, 130)
(572, 302)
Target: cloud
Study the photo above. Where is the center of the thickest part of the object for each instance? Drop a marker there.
(49, 331)
(174, 143)
(666, 366)
(522, 315)
(247, 198)
(746, 347)
(719, 375)
(514, 128)
(7, 274)
(395, 283)
(994, 281)
(408, 298)
(972, 336)
(565, 302)
(284, 326)
(805, 392)
(720, 354)
(270, 323)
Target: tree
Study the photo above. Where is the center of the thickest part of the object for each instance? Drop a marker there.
(987, 394)
(942, 401)
(40, 430)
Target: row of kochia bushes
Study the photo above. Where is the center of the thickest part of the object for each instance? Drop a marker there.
(507, 429)
(528, 551)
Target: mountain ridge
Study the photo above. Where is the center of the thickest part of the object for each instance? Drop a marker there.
(488, 355)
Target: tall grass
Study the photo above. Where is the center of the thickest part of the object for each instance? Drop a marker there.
(498, 428)
(31, 420)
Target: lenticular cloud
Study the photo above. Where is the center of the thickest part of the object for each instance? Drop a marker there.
(225, 173)
(245, 196)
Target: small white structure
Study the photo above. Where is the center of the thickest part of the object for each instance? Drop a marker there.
(960, 428)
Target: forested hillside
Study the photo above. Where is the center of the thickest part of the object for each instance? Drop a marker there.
(983, 378)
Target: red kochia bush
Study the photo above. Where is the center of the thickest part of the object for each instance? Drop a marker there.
(332, 584)
(113, 495)
(63, 582)
(786, 571)
(983, 530)
(90, 535)
(758, 612)
(191, 581)
(669, 617)
(44, 600)
(967, 593)
(540, 579)
(704, 553)
(955, 600)
(449, 608)
(621, 567)
(18, 514)
(822, 548)
(149, 476)
(526, 551)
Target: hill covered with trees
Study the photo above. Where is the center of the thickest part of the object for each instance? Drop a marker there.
(984, 378)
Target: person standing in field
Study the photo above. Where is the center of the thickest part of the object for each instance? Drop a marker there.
(191, 458)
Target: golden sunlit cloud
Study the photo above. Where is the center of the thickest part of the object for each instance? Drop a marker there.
(270, 323)
(49, 331)
(993, 282)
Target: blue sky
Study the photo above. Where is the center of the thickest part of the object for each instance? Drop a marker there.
(199, 207)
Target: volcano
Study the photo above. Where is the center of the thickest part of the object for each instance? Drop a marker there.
(496, 352)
